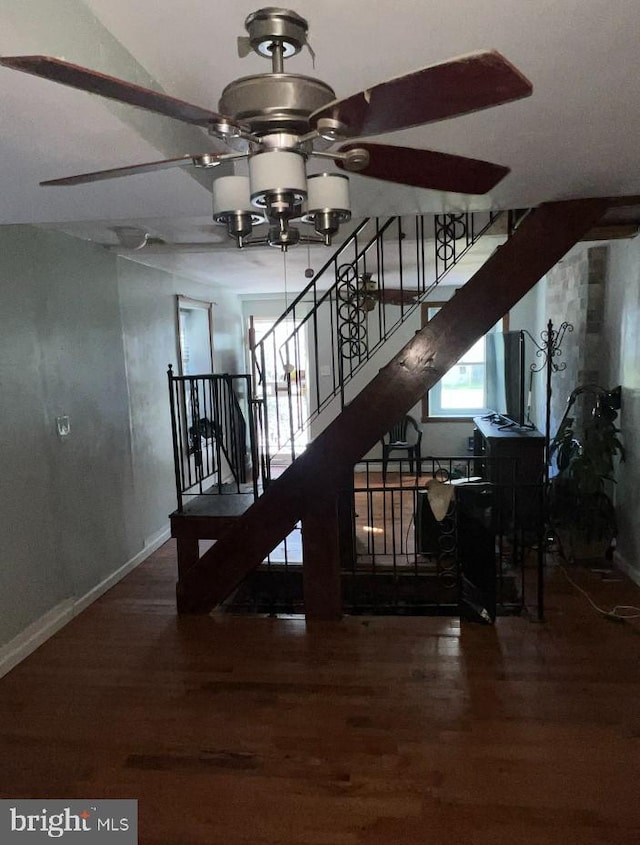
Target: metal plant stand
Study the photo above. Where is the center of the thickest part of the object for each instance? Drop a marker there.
(548, 350)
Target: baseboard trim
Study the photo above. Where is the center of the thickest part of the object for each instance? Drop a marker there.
(152, 544)
(624, 566)
(34, 635)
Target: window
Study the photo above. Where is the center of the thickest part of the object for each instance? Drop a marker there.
(466, 390)
(194, 336)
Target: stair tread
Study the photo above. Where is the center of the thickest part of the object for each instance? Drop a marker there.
(217, 504)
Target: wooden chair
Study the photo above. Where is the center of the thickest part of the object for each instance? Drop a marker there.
(400, 439)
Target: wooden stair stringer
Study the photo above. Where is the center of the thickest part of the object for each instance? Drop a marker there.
(540, 241)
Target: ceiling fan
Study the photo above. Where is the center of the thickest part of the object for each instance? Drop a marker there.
(279, 120)
(363, 292)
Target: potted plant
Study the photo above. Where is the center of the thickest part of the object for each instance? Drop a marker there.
(581, 512)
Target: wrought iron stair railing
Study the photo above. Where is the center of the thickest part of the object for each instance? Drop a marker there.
(214, 438)
(352, 306)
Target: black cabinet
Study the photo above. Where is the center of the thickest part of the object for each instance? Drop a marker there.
(512, 458)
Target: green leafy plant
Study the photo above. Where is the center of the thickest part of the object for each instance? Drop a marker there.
(579, 499)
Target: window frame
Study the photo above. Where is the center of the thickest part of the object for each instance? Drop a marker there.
(426, 416)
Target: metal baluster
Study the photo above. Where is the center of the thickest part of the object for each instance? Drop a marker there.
(174, 437)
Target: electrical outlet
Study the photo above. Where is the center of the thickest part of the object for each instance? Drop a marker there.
(63, 426)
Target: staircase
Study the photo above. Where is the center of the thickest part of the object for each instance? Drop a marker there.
(308, 489)
(315, 357)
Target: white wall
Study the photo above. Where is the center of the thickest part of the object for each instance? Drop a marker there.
(88, 335)
(622, 350)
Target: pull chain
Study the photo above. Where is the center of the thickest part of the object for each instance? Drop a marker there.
(309, 271)
(288, 366)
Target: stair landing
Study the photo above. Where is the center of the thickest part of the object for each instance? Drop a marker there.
(208, 515)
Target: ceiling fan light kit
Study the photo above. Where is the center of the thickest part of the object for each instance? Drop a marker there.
(232, 207)
(328, 203)
(279, 121)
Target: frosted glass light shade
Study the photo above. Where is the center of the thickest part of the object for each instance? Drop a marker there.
(277, 172)
(231, 194)
(328, 192)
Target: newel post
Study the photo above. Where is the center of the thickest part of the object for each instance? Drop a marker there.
(321, 580)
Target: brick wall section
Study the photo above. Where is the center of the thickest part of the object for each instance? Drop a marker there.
(593, 370)
(575, 293)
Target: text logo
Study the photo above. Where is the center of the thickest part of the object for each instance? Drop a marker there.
(82, 822)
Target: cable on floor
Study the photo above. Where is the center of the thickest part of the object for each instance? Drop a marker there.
(615, 612)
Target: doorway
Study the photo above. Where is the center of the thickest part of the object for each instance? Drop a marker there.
(195, 336)
(285, 386)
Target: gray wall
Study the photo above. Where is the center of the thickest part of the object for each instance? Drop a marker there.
(89, 335)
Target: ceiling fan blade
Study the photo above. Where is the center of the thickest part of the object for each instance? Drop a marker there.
(115, 89)
(115, 172)
(459, 86)
(428, 169)
(396, 296)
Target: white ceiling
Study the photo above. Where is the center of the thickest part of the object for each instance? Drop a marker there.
(576, 136)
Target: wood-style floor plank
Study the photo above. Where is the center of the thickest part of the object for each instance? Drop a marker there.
(358, 732)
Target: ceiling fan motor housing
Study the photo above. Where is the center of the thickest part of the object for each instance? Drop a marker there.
(275, 102)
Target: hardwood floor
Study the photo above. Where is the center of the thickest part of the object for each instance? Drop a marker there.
(368, 730)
